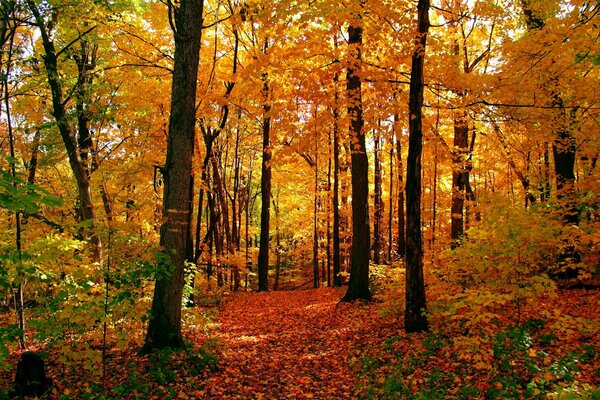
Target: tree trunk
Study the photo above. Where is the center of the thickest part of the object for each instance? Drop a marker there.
(378, 201)
(316, 211)
(415, 319)
(391, 206)
(164, 328)
(459, 177)
(265, 187)
(358, 287)
(278, 243)
(401, 247)
(337, 279)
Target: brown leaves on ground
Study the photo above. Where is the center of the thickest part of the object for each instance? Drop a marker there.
(292, 345)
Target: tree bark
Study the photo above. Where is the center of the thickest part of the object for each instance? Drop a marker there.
(378, 201)
(164, 329)
(460, 176)
(401, 247)
(265, 187)
(358, 286)
(415, 319)
(337, 279)
(390, 247)
(316, 210)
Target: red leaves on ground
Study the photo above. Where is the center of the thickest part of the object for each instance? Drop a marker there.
(292, 345)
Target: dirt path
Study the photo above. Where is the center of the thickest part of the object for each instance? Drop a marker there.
(292, 345)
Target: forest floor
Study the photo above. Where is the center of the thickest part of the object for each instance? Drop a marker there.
(293, 345)
(305, 344)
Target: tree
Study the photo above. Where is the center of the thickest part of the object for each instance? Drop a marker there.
(46, 25)
(164, 328)
(265, 189)
(415, 319)
(358, 286)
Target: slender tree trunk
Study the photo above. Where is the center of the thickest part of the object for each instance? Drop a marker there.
(337, 280)
(547, 190)
(327, 211)
(265, 186)
(315, 212)
(378, 200)
(391, 206)
(235, 238)
(459, 175)
(358, 287)
(164, 328)
(415, 319)
(435, 195)
(277, 241)
(401, 247)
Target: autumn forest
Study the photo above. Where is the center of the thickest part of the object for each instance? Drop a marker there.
(287, 199)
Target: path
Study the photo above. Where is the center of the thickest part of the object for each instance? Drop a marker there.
(292, 345)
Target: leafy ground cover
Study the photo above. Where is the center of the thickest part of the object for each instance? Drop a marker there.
(305, 344)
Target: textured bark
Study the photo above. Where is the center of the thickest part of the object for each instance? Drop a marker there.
(378, 202)
(390, 226)
(164, 328)
(265, 188)
(278, 243)
(460, 177)
(316, 212)
(401, 247)
(358, 286)
(415, 319)
(337, 280)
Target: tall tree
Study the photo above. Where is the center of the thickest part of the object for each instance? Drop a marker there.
(562, 122)
(46, 18)
(358, 286)
(164, 328)
(415, 319)
(265, 187)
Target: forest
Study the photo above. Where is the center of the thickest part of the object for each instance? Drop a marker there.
(296, 199)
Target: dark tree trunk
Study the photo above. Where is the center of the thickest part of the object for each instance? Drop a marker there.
(316, 211)
(337, 280)
(415, 319)
(391, 206)
(86, 62)
(401, 249)
(460, 175)
(358, 287)
(265, 187)
(328, 213)
(278, 243)
(378, 201)
(563, 149)
(164, 328)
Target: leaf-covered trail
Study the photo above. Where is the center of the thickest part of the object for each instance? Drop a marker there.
(292, 345)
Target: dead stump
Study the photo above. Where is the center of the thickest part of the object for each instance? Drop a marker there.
(30, 379)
